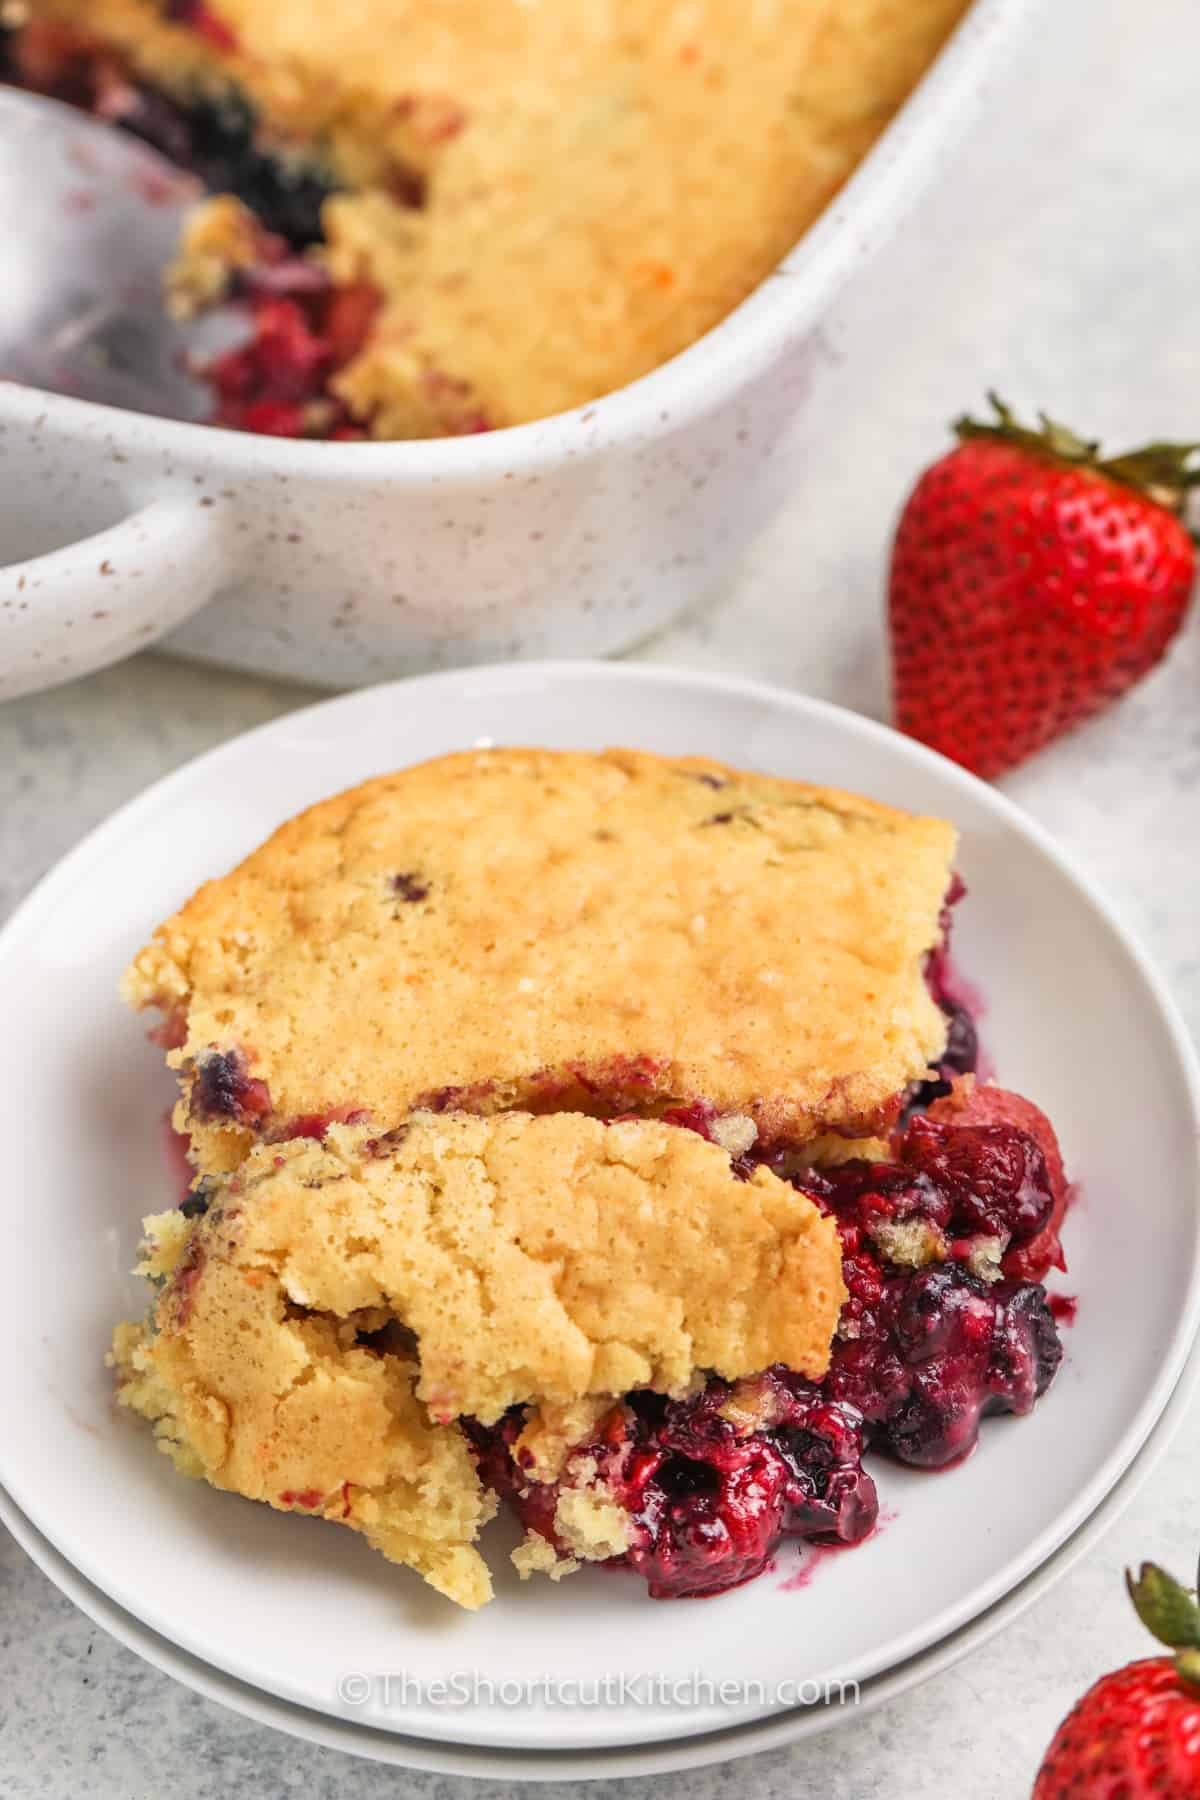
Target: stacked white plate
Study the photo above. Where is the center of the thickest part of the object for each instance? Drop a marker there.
(303, 1627)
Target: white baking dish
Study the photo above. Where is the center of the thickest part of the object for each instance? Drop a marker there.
(347, 563)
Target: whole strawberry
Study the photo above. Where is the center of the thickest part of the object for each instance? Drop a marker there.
(1136, 1734)
(1032, 583)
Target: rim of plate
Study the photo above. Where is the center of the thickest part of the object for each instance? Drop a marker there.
(505, 680)
(479, 1763)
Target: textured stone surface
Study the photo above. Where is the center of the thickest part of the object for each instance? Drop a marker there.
(1053, 262)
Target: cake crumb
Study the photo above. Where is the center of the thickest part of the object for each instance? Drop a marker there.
(536, 1555)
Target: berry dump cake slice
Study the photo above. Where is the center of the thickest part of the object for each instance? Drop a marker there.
(548, 201)
(331, 1312)
(551, 930)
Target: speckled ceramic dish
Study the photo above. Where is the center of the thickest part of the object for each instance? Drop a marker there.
(346, 563)
(329, 1627)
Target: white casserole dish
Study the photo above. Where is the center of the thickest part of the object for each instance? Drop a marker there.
(349, 563)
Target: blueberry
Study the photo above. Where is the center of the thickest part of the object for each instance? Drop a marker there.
(198, 1201)
(223, 1089)
(962, 1041)
(410, 887)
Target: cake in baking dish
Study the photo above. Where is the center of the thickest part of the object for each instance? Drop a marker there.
(452, 215)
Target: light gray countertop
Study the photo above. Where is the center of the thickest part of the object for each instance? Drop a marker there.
(1058, 260)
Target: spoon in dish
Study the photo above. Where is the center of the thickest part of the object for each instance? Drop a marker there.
(91, 216)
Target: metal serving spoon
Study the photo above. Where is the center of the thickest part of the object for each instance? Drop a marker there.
(90, 216)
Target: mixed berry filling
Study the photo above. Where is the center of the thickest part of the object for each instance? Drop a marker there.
(303, 330)
(925, 1354)
(980, 1194)
(944, 1250)
(968, 1104)
(709, 1485)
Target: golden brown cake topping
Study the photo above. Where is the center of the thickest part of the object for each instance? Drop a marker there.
(556, 930)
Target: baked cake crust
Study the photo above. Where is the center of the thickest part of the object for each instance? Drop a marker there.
(551, 199)
(339, 1304)
(547, 1258)
(557, 930)
(265, 1400)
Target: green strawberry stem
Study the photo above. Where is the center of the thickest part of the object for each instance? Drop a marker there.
(1170, 1611)
(1163, 472)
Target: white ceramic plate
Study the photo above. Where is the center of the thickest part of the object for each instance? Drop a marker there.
(290, 1607)
(584, 1765)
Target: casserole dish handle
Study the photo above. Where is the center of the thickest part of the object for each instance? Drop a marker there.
(93, 602)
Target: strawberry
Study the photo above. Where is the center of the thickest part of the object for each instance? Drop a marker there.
(1135, 1735)
(1032, 583)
